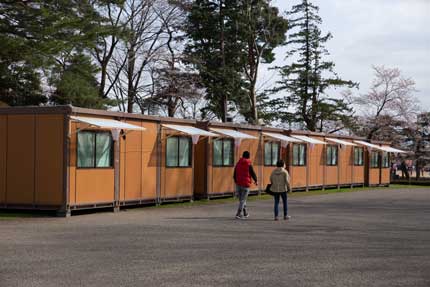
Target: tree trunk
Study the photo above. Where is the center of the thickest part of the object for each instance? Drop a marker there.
(102, 81)
(222, 46)
(131, 93)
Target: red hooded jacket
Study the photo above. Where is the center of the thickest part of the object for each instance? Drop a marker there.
(244, 172)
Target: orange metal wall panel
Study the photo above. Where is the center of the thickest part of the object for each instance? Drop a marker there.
(316, 164)
(20, 159)
(122, 168)
(385, 176)
(94, 185)
(3, 152)
(72, 185)
(359, 174)
(49, 159)
(72, 164)
(373, 176)
(132, 160)
(298, 176)
(149, 166)
(178, 182)
(331, 175)
(345, 164)
(222, 180)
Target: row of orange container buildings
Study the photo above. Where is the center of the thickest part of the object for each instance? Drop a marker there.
(66, 158)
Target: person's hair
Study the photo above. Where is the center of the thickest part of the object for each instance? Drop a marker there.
(280, 163)
(246, 154)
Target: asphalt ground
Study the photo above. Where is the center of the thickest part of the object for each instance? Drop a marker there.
(365, 238)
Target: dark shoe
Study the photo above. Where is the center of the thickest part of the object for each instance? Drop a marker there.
(276, 218)
(245, 213)
(287, 217)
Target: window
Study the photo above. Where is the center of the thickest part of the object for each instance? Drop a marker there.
(299, 154)
(223, 152)
(95, 149)
(385, 161)
(374, 159)
(271, 153)
(331, 158)
(178, 152)
(358, 156)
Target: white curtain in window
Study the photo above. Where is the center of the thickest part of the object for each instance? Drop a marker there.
(302, 155)
(85, 149)
(103, 150)
(172, 151)
(267, 153)
(184, 152)
(228, 152)
(217, 156)
(275, 153)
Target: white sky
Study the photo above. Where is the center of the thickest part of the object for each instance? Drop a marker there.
(394, 33)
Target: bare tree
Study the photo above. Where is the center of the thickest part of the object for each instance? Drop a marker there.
(389, 103)
(107, 42)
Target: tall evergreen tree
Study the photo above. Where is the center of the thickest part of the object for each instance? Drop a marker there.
(214, 50)
(307, 79)
(229, 40)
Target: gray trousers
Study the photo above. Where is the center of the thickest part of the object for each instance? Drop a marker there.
(242, 194)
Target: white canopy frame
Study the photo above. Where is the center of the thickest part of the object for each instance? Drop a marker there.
(195, 133)
(282, 138)
(368, 145)
(341, 142)
(308, 139)
(236, 135)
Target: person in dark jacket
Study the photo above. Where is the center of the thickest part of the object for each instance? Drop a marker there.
(243, 175)
(280, 180)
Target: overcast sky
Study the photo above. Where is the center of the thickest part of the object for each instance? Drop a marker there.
(394, 33)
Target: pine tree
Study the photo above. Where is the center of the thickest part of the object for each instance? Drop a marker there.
(215, 52)
(307, 79)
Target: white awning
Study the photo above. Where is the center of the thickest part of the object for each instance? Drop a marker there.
(368, 144)
(391, 149)
(342, 142)
(282, 137)
(232, 133)
(308, 139)
(106, 123)
(189, 130)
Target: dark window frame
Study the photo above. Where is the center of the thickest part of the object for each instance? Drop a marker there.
(95, 132)
(271, 152)
(361, 153)
(329, 158)
(190, 155)
(305, 160)
(222, 152)
(378, 161)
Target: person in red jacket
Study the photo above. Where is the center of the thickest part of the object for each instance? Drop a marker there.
(243, 175)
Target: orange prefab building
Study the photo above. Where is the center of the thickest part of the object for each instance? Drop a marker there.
(322, 161)
(65, 158)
